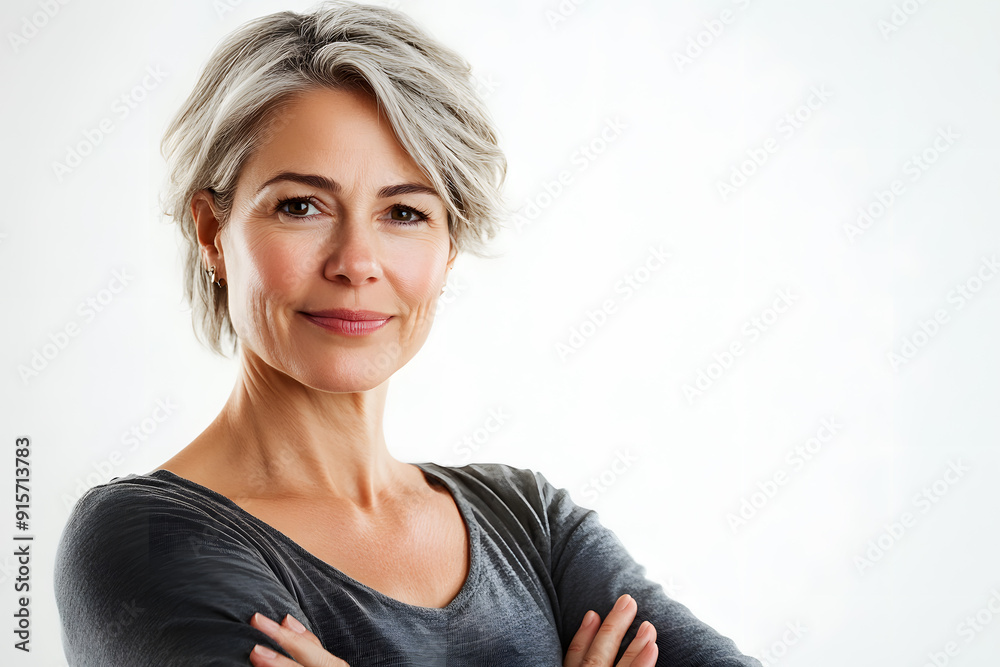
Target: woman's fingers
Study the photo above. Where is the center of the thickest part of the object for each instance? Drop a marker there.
(609, 636)
(292, 636)
(262, 656)
(293, 624)
(582, 640)
(593, 645)
(643, 651)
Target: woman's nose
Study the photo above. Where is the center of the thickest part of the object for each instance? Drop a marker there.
(353, 252)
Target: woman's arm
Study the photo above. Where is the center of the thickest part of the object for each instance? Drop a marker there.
(591, 568)
(141, 579)
(595, 643)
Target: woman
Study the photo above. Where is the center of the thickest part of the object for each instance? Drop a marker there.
(325, 173)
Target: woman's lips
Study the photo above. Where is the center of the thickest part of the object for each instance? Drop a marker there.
(349, 314)
(349, 322)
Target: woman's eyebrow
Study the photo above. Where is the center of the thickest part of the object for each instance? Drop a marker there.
(406, 189)
(330, 185)
(315, 180)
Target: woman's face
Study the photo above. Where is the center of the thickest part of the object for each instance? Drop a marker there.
(331, 213)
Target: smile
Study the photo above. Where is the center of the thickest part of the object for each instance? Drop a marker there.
(347, 327)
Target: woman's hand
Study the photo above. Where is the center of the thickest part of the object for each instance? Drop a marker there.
(294, 638)
(593, 644)
(598, 646)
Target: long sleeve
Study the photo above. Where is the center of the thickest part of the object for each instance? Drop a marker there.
(591, 568)
(143, 580)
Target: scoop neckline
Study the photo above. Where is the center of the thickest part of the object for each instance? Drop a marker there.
(465, 593)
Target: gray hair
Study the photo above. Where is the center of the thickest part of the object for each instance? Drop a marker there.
(426, 90)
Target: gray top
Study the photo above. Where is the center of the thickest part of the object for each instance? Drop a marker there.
(155, 569)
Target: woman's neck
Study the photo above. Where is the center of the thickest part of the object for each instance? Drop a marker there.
(277, 439)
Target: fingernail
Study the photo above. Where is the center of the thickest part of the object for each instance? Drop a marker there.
(264, 651)
(623, 602)
(266, 622)
(589, 618)
(294, 624)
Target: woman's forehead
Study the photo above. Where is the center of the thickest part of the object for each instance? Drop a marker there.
(333, 133)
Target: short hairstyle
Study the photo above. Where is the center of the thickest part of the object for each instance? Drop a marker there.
(425, 89)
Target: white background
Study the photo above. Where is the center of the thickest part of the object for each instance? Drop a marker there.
(892, 81)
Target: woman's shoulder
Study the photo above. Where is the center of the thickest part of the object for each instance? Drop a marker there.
(500, 478)
(137, 496)
(157, 549)
(139, 517)
(501, 484)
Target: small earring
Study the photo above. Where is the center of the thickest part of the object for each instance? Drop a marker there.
(220, 283)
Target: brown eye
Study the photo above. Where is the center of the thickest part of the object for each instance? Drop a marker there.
(406, 215)
(297, 208)
(402, 215)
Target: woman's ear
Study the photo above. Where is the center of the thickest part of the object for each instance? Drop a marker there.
(206, 221)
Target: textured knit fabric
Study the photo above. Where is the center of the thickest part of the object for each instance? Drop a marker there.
(155, 569)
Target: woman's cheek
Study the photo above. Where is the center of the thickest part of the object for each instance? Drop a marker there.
(262, 281)
(281, 265)
(418, 272)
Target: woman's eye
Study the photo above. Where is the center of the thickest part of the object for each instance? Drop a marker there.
(298, 208)
(406, 215)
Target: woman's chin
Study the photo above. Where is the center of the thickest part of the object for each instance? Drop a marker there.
(345, 375)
